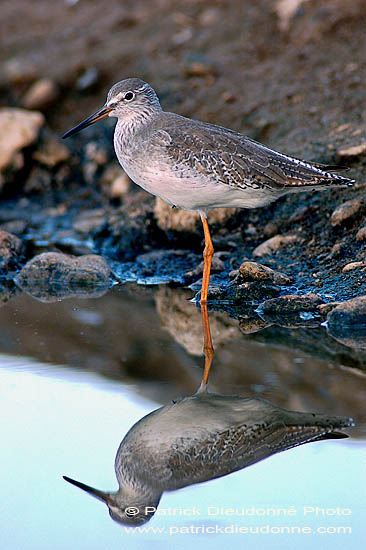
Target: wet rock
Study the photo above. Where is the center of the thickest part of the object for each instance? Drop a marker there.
(324, 309)
(18, 129)
(345, 212)
(12, 252)
(353, 265)
(52, 273)
(254, 271)
(130, 231)
(254, 292)
(274, 243)
(164, 265)
(347, 322)
(353, 150)
(351, 313)
(51, 151)
(292, 304)
(361, 234)
(42, 94)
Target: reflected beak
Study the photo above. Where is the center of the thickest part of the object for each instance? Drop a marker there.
(100, 495)
(98, 115)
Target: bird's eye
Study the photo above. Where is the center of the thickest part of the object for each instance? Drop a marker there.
(129, 96)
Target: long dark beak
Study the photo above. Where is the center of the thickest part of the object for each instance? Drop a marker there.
(94, 492)
(98, 115)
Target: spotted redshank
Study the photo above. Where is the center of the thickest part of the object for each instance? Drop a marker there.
(198, 166)
(198, 438)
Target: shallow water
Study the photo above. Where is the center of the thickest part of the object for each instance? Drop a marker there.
(77, 374)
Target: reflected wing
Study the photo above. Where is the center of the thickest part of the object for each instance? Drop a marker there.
(236, 448)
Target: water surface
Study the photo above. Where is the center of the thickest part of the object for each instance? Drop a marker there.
(77, 374)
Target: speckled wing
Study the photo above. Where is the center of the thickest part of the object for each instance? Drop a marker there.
(237, 448)
(230, 158)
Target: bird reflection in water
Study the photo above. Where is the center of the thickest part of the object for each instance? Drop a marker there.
(202, 437)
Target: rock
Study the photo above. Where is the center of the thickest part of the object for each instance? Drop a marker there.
(351, 313)
(52, 151)
(120, 186)
(345, 212)
(42, 94)
(18, 71)
(254, 292)
(169, 218)
(361, 234)
(253, 271)
(200, 69)
(273, 244)
(353, 265)
(18, 129)
(324, 309)
(216, 267)
(17, 227)
(54, 270)
(347, 322)
(292, 304)
(96, 153)
(11, 252)
(115, 182)
(129, 230)
(89, 220)
(353, 150)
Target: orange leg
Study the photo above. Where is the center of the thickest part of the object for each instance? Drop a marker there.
(207, 347)
(207, 260)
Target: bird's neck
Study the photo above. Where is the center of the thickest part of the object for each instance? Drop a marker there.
(128, 126)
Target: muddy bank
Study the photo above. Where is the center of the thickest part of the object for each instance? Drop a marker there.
(291, 79)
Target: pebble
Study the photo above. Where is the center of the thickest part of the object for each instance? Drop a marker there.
(353, 150)
(361, 234)
(42, 94)
(18, 71)
(216, 267)
(353, 265)
(52, 151)
(345, 212)
(273, 244)
(253, 271)
(18, 129)
(11, 251)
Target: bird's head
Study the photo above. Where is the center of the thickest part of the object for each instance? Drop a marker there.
(124, 506)
(127, 99)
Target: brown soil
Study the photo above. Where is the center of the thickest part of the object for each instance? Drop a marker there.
(296, 84)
